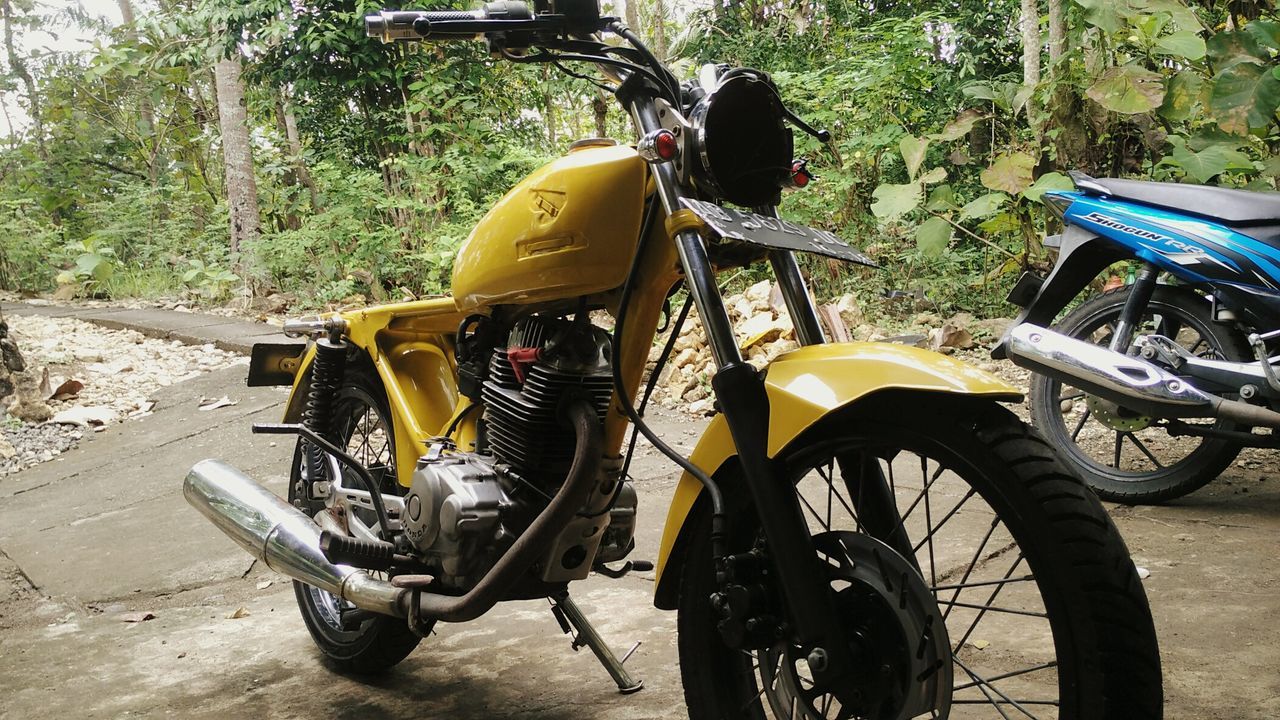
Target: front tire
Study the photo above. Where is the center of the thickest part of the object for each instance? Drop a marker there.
(361, 426)
(1042, 605)
(1121, 456)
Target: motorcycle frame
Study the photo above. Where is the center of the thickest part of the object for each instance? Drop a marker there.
(411, 346)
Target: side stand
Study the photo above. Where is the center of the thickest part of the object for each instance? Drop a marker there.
(573, 622)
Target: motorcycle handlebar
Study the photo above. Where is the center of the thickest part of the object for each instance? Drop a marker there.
(391, 25)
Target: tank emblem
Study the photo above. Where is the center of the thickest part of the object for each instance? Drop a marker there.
(547, 203)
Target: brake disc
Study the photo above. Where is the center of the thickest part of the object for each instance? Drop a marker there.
(898, 637)
(1116, 417)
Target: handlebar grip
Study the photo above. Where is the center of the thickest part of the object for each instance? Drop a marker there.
(392, 25)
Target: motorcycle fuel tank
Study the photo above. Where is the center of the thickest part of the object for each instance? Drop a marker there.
(569, 229)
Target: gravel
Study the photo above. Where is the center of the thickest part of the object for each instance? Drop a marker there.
(120, 371)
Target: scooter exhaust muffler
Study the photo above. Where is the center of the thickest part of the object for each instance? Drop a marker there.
(1128, 381)
(281, 536)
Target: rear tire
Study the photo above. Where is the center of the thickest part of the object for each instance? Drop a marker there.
(362, 426)
(1139, 481)
(1100, 632)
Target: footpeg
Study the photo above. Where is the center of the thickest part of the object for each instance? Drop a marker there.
(574, 623)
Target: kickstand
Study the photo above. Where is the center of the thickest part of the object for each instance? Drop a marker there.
(573, 622)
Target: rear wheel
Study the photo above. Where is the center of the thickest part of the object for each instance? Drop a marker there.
(1124, 456)
(361, 425)
(977, 576)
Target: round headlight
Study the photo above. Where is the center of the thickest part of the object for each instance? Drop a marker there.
(743, 146)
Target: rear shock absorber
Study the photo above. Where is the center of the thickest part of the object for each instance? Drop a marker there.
(327, 370)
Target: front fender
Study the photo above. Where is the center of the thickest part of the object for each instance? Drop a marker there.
(803, 387)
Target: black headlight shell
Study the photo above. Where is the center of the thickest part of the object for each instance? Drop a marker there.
(744, 148)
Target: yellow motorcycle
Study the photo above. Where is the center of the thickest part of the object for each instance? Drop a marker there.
(862, 531)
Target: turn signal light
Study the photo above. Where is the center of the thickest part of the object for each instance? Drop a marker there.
(659, 146)
(800, 175)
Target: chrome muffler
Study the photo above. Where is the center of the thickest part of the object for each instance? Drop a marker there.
(1128, 381)
(281, 536)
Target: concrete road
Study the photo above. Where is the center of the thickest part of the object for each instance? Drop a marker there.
(103, 532)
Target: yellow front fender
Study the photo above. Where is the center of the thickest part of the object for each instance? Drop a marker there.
(804, 386)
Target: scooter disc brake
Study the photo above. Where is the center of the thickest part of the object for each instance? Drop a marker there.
(1114, 416)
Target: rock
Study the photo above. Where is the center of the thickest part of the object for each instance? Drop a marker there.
(30, 410)
(87, 356)
(13, 360)
(66, 292)
(850, 311)
(760, 328)
(742, 308)
(85, 416)
(777, 303)
(950, 336)
(7, 450)
(926, 319)
(702, 407)
(758, 294)
(991, 328)
(684, 358)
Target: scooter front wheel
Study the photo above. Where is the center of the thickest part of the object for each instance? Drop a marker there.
(977, 577)
(1124, 456)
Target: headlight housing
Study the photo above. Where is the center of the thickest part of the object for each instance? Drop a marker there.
(743, 147)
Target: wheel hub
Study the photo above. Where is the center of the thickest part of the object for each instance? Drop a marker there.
(1115, 417)
(898, 640)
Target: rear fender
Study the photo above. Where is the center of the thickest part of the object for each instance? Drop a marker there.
(804, 387)
(411, 347)
(1081, 258)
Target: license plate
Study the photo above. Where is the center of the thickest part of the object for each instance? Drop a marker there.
(756, 229)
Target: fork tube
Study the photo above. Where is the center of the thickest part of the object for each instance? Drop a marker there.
(1139, 295)
(796, 295)
(740, 391)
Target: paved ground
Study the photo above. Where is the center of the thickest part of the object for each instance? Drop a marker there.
(103, 531)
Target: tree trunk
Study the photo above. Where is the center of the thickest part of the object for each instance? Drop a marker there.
(19, 68)
(1030, 23)
(632, 14)
(233, 120)
(146, 113)
(1057, 32)
(288, 126)
(660, 29)
(600, 106)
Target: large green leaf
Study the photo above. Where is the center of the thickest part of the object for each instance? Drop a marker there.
(1047, 182)
(893, 201)
(1182, 44)
(1208, 163)
(960, 126)
(1010, 173)
(1181, 94)
(985, 206)
(1244, 98)
(1104, 14)
(1183, 16)
(941, 199)
(933, 236)
(1266, 32)
(1228, 49)
(913, 150)
(1128, 90)
(934, 176)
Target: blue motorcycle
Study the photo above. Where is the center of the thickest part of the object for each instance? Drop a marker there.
(1150, 390)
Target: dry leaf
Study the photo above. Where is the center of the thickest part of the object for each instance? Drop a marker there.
(264, 585)
(239, 613)
(221, 402)
(44, 382)
(981, 644)
(137, 617)
(67, 390)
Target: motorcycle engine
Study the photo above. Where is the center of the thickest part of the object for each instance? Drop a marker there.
(464, 509)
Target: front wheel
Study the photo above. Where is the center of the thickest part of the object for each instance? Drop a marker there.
(976, 576)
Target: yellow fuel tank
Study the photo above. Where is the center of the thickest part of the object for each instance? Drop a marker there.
(569, 229)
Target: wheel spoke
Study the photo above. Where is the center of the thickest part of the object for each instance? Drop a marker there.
(993, 608)
(977, 554)
(1072, 396)
(990, 599)
(983, 683)
(1141, 446)
(950, 514)
(928, 519)
(1015, 673)
(1084, 418)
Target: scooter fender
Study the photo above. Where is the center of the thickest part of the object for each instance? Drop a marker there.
(804, 386)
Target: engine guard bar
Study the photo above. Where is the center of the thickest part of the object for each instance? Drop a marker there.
(1127, 381)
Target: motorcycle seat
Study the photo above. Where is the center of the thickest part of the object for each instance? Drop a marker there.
(1224, 205)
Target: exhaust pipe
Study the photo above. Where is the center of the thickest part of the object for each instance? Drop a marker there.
(288, 541)
(279, 535)
(1127, 381)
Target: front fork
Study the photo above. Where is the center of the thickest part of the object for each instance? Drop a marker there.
(740, 391)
